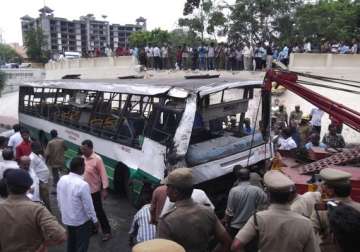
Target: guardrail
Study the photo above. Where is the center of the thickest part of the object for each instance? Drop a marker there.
(92, 68)
(321, 61)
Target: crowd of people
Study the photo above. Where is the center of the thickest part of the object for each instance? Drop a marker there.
(302, 131)
(220, 56)
(25, 187)
(263, 213)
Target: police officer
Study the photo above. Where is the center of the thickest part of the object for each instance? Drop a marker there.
(190, 224)
(158, 245)
(336, 188)
(29, 225)
(278, 228)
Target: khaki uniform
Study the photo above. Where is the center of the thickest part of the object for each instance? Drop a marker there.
(305, 204)
(55, 159)
(331, 177)
(189, 224)
(280, 229)
(321, 224)
(26, 225)
(158, 245)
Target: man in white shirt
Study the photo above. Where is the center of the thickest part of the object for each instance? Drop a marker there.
(165, 57)
(41, 170)
(8, 161)
(247, 57)
(198, 196)
(76, 206)
(15, 139)
(286, 142)
(157, 59)
(211, 55)
(316, 116)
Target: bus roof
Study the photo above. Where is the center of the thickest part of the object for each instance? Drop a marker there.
(180, 88)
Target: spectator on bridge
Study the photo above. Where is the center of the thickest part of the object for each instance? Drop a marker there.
(202, 57)
(165, 57)
(95, 175)
(157, 58)
(194, 59)
(185, 57)
(333, 139)
(211, 56)
(354, 47)
(247, 52)
(344, 49)
(76, 206)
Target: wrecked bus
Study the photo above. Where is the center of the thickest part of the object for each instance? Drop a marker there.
(144, 128)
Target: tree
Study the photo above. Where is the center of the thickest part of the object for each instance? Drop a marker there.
(253, 20)
(35, 42)
(154, 37)
(202, 16)
(327, 20)
(8, 54)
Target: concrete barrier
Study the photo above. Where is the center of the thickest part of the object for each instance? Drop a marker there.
(17, 76)
(321, 62)
(92, 68)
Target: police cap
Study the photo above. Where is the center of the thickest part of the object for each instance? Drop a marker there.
(180, 178)
(18, 177)
(276, 181)
(158, 245)
(335, 177)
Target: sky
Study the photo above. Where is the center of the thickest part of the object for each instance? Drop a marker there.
(159, 13)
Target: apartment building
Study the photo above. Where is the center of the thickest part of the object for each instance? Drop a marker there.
(84, 35)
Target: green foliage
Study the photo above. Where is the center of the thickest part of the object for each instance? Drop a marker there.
(8, 54)
(203, 17)
(253, 20)
(328, 20)
(2, 81)
(35, 43)
(159, 37)
(154, 37)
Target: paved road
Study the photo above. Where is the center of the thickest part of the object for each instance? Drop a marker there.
(120, 215)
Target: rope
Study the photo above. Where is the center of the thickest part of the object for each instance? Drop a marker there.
(253, 133)
(326, 86)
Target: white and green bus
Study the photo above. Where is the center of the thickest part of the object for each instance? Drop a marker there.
(143, 128)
